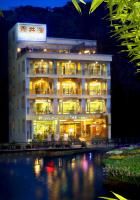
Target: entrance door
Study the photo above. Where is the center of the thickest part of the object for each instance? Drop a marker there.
(72, 129)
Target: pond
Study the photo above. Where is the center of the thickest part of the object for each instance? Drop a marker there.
(37, 177)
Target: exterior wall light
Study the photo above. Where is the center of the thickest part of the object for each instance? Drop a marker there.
(18, 50)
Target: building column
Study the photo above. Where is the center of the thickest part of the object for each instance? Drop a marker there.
(83, 68)
(55, 85)
(83, 105)
(83, 85)
(27, 85)
(27, 106)
(108, 104)
(108, 69)
(55, 106)
(29, 130)
(54, 67)
(28, 67)
(108, 87)
(109, 126)
(57, 135)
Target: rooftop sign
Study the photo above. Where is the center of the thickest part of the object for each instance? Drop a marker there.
(31, 32)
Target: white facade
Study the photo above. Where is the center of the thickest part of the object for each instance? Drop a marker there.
(58, 87)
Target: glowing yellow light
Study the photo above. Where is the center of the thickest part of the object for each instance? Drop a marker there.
(104, 125)
(86, 86)
(50, 62)
(94, 83)
(71, 130)
(18, 50)
(58, 86)
(37, 167)
(29, 140)
(86, 51)
(45, 50)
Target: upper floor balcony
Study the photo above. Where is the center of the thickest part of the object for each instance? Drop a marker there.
(48, 106)
(67, 87)
(71, 68)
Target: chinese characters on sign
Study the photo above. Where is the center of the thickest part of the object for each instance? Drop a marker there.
(31, 32)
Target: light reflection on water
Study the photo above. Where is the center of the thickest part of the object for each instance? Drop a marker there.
(42, 178)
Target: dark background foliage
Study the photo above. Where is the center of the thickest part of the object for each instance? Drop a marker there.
(68, 23)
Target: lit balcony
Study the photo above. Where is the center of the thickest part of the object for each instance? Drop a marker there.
(69, 107)
(41, 67)
(96, 92)
(40, 107)
(69, 68)
(41, 86)
(69, 87)
(40, 91)
(95, 106)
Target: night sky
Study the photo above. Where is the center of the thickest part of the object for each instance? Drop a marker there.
(9, 4)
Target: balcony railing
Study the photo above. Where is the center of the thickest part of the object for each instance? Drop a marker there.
(40, 112)
(39, 71)
(40, 91)
(70, 112)
(95, 111)
(79, 72)
(94, 92)
(69, 92)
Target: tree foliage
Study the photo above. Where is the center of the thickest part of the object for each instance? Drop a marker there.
(125, 20)
(1, 13)
(119, 197)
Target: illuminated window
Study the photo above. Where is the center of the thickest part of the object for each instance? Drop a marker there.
(40, 86)
(68, 68)
(43, 129)
(103, 69)
(68, 87)
(93, 69)
(95, 106)
(43, 106)
(96, 88)
(69, 107)
(41, 66)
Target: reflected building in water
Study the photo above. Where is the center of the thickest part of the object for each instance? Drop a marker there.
(64, 176)
(57, 87)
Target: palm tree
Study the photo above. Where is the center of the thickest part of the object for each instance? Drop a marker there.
(125, 20)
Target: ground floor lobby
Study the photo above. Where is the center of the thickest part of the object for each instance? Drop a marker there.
(66, 129)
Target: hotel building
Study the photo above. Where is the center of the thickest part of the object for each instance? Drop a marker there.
(58, 87)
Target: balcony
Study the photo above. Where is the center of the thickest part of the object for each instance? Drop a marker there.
(40, 112)
(95, 111)
(39, 91)
(96, 93)
(65, 56)
(69, 91)
(40, 71)
(73, 112)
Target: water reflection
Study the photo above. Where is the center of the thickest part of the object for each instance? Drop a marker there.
(42, 178)
(38, 165)
(69, 177)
